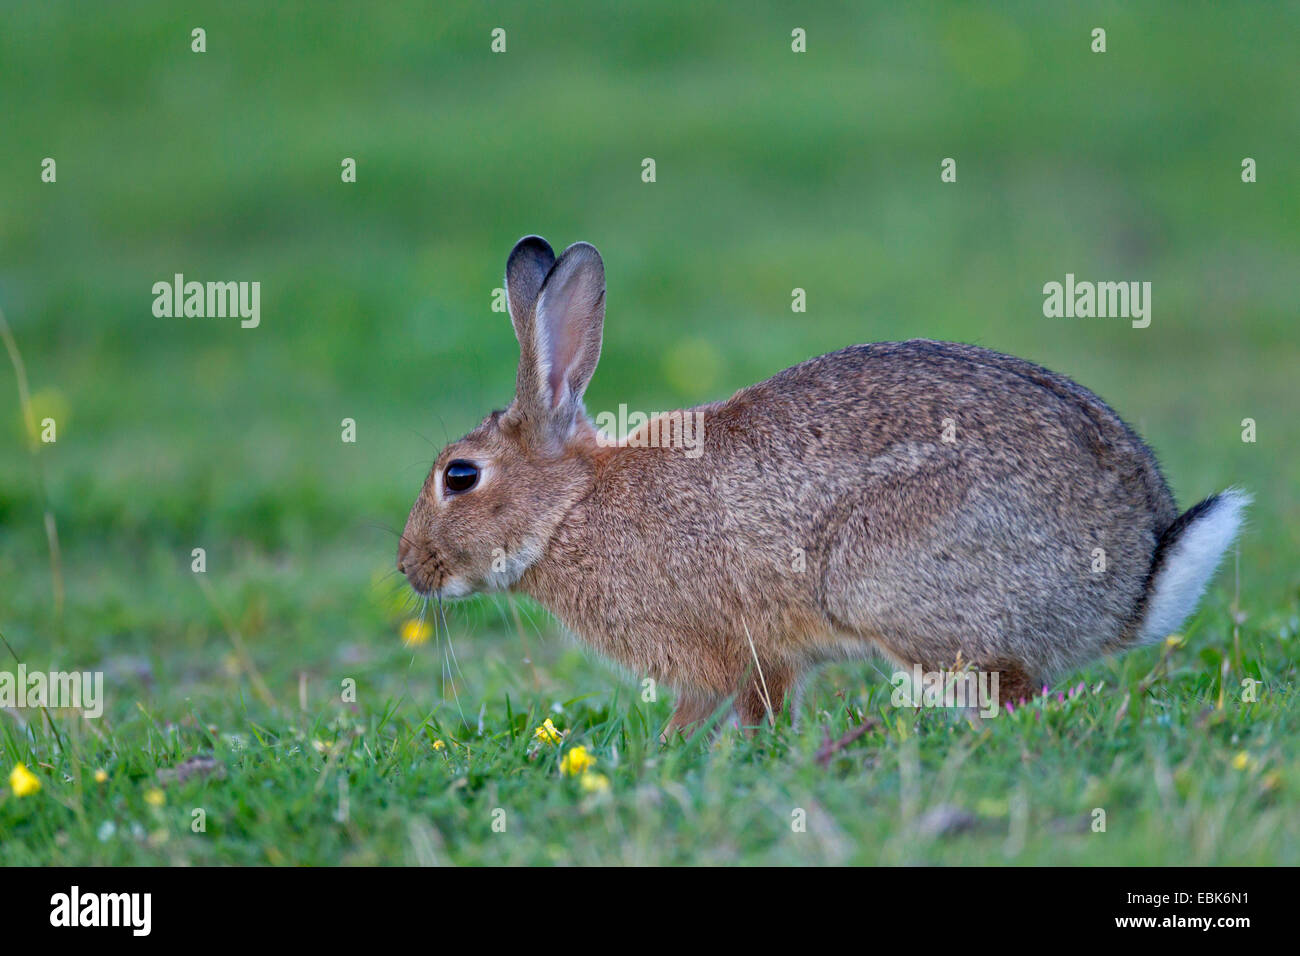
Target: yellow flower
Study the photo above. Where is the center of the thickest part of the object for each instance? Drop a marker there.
(415, 632)
(101, 775)
(439, 745)
(24, 782)
(1175, 640)
(1241, 761)
(594, 782)
(154, 797)
(576, 761)
(547, 733)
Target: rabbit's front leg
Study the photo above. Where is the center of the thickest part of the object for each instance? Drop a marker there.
(763, 695)
(693, 709)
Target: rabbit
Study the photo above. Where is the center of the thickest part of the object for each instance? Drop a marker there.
(936, 503)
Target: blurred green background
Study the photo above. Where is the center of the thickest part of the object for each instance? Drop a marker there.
(775, 170)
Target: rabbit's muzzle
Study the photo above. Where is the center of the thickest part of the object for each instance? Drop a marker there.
(424, 568)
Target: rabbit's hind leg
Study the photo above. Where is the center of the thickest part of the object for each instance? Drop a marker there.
(1015, 684)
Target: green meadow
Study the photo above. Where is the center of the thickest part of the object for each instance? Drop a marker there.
(272, 697)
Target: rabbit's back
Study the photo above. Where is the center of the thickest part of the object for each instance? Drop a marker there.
(956, 498)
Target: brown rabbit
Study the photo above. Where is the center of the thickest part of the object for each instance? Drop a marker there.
(934, 502)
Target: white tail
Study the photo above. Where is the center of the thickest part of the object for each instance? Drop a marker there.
(1187, 557)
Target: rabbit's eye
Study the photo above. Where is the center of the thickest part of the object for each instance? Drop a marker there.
(460, 476)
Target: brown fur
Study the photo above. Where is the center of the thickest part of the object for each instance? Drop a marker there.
(930, 552)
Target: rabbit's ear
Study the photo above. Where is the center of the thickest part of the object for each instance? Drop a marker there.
(569, 318)
(530, 260)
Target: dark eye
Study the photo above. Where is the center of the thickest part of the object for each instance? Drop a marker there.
(460, 476)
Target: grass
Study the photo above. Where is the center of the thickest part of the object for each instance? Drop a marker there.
(1184, 772)
(775, 171)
